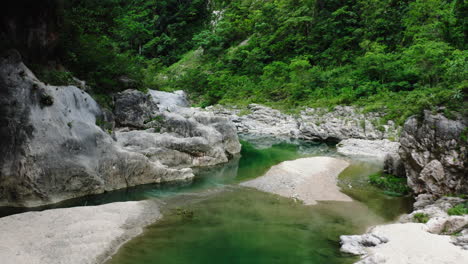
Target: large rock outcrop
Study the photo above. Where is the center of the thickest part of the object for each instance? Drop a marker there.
(434, 150)
(175, 135)
(342, 122)
(52, 148)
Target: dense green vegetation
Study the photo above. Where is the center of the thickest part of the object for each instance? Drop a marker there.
(392, 185)
(399, 56)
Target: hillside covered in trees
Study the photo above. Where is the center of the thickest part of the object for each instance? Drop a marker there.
(397, 56)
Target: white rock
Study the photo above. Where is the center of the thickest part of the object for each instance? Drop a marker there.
(410, 243)
(374, 149)
(307, 179)
(78, 235)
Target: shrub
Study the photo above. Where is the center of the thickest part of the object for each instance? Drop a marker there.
(460, 209)
(421, 218)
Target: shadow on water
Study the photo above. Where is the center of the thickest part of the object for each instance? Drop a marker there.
(212, 220)
(241, 225)
(254, 160)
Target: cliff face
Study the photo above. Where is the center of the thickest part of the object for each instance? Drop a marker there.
(32, 27)
(52, 148)
(434, 150)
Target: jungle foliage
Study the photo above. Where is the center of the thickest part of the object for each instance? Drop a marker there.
(397, 56)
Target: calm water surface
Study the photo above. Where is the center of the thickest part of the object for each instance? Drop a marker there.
(212, 220)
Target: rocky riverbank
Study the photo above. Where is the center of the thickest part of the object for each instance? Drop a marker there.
(78, 235)
(427, 235)
(431, 152)
(434, 154)
(57, 143)
(342, 122)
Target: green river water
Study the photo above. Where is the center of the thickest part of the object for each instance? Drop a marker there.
(213, 220)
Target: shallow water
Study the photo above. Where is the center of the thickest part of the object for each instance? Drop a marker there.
(213, 220)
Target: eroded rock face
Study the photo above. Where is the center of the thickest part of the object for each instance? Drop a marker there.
(344, 122)
(52, 148)
(134, 108)
(314, 124)
(177, 135)
(434, 151)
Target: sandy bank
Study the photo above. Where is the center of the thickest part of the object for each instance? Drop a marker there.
(73, 235)
(410, 243)
(307, 179)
